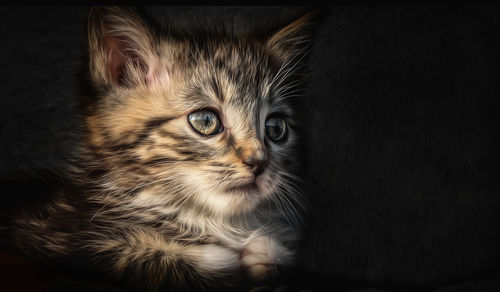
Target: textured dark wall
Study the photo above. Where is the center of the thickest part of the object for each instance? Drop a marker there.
(404, 168)
(402, 164)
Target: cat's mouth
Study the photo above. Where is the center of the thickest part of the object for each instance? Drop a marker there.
(243, 188)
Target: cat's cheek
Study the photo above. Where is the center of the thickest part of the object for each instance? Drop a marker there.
(214, 261)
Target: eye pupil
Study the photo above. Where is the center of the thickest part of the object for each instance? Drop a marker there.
(276, 129)
(205, 122)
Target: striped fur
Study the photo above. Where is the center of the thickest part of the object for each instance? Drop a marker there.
(148, 200)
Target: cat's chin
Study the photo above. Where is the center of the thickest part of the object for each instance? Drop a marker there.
(235, 197)
(259, 188)
(245, 197)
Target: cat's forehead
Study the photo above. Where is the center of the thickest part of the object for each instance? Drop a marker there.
(233, 73)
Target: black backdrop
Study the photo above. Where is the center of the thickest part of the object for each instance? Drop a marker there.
(402, 162)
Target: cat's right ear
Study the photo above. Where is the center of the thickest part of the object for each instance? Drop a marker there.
(292, 40)
(121, 47)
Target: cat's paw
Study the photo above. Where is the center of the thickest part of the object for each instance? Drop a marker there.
(214, 260)
(261, 257)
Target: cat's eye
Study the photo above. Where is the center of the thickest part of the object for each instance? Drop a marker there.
(276, 129)
(205, 122)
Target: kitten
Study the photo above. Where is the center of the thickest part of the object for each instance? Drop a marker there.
(183, 177)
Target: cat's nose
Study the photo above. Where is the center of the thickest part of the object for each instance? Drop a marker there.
(257, 162)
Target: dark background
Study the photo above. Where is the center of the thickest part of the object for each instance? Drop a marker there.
(402, 163)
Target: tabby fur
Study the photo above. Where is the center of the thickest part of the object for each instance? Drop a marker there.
(149, 201)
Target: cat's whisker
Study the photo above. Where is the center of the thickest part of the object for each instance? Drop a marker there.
(291, 176)
(294, 68)
(283, 66)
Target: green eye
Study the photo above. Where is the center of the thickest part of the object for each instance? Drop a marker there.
(205, 122)
(276, 129)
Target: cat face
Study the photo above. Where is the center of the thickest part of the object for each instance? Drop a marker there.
(198, 121)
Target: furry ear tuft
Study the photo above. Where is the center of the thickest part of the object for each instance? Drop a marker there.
(121, 47)
(294, 38)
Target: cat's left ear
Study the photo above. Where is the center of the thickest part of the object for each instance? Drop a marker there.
(294, 39)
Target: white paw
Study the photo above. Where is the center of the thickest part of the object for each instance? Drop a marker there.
(214, 260)
(261, 256)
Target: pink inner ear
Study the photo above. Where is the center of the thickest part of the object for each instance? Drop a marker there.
(120, 53)
(117, 59)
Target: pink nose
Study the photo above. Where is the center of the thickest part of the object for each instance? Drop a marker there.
(257, 162)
